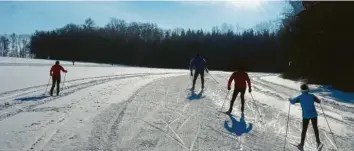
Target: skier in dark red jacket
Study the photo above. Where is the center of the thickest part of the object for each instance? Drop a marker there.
(55, 73)
(240, 77)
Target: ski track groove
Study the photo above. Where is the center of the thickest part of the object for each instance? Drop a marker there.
(68, 81)
(93, 79)
(5, 94)
(180, 143)
(172, 121)
(195, 139)
(184, 108)
(113, 130)
(71, 89)
(230, 147)
(186, 121)
(179, 138)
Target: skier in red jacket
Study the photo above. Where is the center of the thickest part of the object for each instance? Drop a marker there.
(240, 77)
(55, 73)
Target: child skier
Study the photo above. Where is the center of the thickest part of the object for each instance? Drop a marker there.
(55, 73)
(240, 78)
(309, 113)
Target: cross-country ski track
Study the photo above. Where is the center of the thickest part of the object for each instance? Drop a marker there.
(158, 112)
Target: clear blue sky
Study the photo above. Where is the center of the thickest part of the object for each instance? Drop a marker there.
(26, 17)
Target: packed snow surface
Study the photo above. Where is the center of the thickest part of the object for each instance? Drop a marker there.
(104, 107)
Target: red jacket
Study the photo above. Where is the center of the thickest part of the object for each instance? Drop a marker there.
(240, 78)
(55, 71)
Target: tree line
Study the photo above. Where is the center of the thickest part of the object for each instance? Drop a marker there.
(15, 46)
(146, 44)
(319, 43)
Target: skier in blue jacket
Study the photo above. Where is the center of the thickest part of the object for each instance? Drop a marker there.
(309, 113)
(199, 64)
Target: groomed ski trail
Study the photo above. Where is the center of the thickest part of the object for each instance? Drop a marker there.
(154, 120)
(158, 112)
(43, 124)
(162, 116)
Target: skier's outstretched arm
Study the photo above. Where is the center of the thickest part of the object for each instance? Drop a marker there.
(230, 81)
(191, 66)
(249, 83)
(62, 69)
(294, 100)
(51, 71)
(206, 66)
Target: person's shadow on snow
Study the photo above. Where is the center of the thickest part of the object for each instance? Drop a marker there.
(195, 96)
(238, 127)
(33, 98)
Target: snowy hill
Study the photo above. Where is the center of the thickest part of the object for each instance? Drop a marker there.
(105, 107)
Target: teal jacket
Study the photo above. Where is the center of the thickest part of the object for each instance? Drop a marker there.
(307, 102)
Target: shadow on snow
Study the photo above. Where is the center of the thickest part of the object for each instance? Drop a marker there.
(327, 91)
(238, 127)
(33, 98)
(195, 96)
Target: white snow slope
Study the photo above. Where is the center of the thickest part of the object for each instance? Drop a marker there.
(128, 109)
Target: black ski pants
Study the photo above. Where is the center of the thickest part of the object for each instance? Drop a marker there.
(55, 80)
(196, 74)
(234, 95)
(305, 123)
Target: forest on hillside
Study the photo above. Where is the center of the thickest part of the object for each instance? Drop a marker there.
(313, 44)
(320, 44)
(146, 44)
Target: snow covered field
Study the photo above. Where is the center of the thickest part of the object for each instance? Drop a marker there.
(105, 107)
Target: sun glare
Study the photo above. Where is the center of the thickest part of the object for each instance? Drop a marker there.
(245, 4)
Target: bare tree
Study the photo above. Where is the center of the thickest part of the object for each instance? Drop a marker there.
(24, 47)
(14, 46)
(4, 46)
(89, 24)
(226, 28)
(117, 25)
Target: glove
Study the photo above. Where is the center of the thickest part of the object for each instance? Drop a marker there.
(250, 90)
(229, 88)
(51, 74)
(289, 99)
(191, 74)
(66, 71)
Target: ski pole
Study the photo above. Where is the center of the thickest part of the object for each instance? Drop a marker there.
(256, 105)
(62, 87)
(190, 81)
(329, 127)
(225, 100)
(46, 88)
(213, 78)
(287, 125)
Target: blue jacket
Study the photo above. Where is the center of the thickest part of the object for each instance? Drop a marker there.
(307, 102)
(198, 63)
